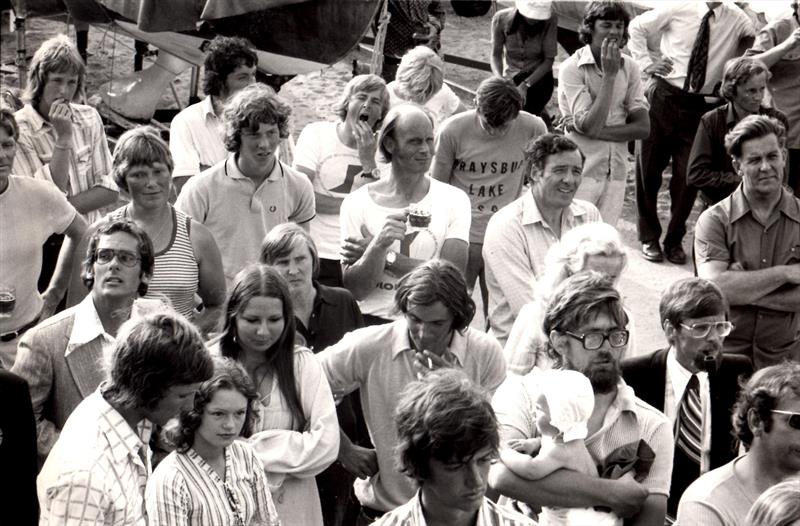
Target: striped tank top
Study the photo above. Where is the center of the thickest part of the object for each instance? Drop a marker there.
(175, 273)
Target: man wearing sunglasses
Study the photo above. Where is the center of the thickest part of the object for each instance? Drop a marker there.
(586, 325)
(766, 419)
(59, 357)
(692, 379)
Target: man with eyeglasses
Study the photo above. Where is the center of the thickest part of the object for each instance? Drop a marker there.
(586, 327)
(482, 152)
(692, 381)
(62, 357)
(766, 419)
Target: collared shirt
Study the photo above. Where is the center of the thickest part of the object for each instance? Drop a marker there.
(489, 514)
(514, 250)
(580, 80)
(196, 139)
(87, 327)
(239, 214)
(627, 420)
(380, 361)
(97, 471)
(677, 25)
(730, 233)
(334, 313)
(710, 167)
(678, 378)
(525, 46)
(90, 160)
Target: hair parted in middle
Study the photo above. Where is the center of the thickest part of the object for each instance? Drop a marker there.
(420, 75)
(251, 107)
(146, 252)
(362, 83)
(56, 55)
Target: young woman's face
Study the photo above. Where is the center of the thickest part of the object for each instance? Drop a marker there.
(260, 323)
(222, 419)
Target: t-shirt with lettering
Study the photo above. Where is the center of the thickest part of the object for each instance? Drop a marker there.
(339, 172)
(450, 219)
(490, 169)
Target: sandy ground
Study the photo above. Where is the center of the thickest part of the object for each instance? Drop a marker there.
(312, 97)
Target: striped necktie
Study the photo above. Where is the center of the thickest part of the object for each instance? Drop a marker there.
(689, 436)
(696, 71)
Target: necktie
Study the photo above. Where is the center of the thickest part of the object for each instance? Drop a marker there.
(696, 72)
(689, 437)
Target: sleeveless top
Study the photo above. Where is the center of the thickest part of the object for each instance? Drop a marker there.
(175, 273)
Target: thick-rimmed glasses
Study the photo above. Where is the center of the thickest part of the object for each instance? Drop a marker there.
(793, 420)
(125, 257)
(594, 340)
(701, 330)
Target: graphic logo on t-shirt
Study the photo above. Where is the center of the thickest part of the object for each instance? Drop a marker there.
(419, 244)
(349, 178)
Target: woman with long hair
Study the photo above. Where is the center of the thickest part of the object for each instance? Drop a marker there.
(211, 477)
(296, 435)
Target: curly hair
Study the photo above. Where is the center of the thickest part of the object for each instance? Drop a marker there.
(777, 506)
(753, 127)
(8, 122)
(539, 149)
(603, 10)
(436, 280)
(140, 146)
(254, 281)
(229, 375)
(420, 75)
(738, 71)
(251, 107)
(498, 101)
(153, 354)
(761, 394)
(55, 55)
(444, 416)
(146, 252)
(223, 56)
(280, 241)
(362, 83)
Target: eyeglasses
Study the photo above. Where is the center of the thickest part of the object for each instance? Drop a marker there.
(594, 340)
(126, 257)
(701, 330)
(793, 420)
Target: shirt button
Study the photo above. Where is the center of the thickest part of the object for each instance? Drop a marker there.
(763, 260)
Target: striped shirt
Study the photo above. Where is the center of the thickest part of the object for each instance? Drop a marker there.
(175, 272)
(184, 490)
(97, 470)
(489, 514)
(90, 164)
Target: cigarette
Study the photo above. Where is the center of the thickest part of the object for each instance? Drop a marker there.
(430, 363)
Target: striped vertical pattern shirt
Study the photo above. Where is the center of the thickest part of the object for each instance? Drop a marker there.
(489, 514)
(90, 164)
(97, 470)
(184, 490)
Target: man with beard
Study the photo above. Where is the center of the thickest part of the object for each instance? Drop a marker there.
(691, 381)
(586, 326)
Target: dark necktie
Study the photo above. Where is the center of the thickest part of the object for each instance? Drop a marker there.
(689, 437)
(696, 72)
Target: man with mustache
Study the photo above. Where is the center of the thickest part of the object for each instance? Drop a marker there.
(749, 245)
(586, 327)
(519, 235)
(692, 370)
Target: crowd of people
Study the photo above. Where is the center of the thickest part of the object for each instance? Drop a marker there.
(196, 331)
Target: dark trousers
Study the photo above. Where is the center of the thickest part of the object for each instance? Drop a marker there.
(674, 116)
(538, 95)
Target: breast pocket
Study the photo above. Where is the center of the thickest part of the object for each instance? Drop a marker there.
(792, 255)
(83, 160)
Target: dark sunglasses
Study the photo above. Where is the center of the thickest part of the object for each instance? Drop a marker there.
(793, 420)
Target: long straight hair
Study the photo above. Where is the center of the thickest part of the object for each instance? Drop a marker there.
(262, 281)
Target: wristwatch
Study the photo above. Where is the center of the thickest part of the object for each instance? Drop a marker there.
(527, 84)
(391, 257)
(372, 174)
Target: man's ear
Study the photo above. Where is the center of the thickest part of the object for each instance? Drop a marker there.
(557, 341)
(737, 166)
(389, 144)
(669, 331)
(754, 422)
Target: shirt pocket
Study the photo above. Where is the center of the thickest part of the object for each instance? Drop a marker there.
(83, 161)
(791, 256)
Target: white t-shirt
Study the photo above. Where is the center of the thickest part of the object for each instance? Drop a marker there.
(450, 219)
(338, 170)
(443, 103)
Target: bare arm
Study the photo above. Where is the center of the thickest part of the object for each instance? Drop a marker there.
(61, 119)
(530, 468)
(360, 461)
(771, 56)
(540, 71)
(456, 252)
(92, 199)
(591, 122)
(211, 278)
(498, 42)
(66, 258)
(653, 512)
(744, 287)
(637, 127)
(362, 276)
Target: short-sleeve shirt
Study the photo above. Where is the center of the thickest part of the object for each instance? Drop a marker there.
(442, 104)
(380, 361)
(718, 498)
(450, 219)
(628, 420)
(30, 211)
(524, 49)
(238, 214)
(729, 232)
(339, 172)
(490, 170)
(517, 241)
(580, 80)
(196, 139)
(90, 162)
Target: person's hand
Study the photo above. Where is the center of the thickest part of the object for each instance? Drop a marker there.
(627, 497)
(426, 361)
(360, 461)
(566, 124)
(793, 40)
(659, 67)
(522, 88)
(353, 247)
(793, 274)
(61, 118)
(610, 57)
(528, 446)
(365, 143)
(394, 229)
(50, 300)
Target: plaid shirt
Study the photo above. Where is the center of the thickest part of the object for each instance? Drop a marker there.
(489, 514)
(90, 164)
(97, 471)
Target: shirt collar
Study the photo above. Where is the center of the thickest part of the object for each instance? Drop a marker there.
(86, 326)
(29, 114)
(626, 398)
(400, 342)
(323, 294)
(585, 56)
(531, 213)
(740, 207)
(232, 169)
(702, 9)
(679, 375)
(208, 108)
(123, 441)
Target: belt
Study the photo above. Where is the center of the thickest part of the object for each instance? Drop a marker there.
(698, 97)
(13, 335)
